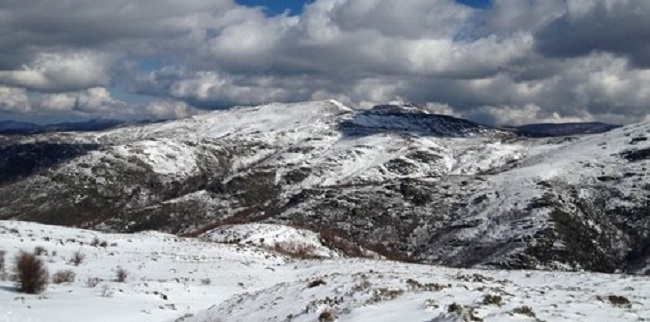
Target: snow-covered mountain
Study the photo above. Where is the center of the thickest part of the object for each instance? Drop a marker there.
(170, 278)
(396, 180)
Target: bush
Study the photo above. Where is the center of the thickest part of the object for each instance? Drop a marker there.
(296, 250)
(92, 282)
(77, 258)
(31, 273)
(39, 250)
(121, 275)
(65, 276)
(616, 300)
(2, 264)
(327, 316)
(524, 310)
(490, 299)
(2, 260)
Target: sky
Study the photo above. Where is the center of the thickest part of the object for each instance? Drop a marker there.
(496, 62)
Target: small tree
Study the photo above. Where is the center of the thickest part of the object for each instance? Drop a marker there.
(31, 273)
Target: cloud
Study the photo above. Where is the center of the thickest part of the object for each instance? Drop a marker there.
(620, 27)
(519, 115)
(170, 109)
(59, 72)
(515, 61)
(14, 100)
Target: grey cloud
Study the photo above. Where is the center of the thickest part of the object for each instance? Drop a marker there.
(413, 20)
(620, 27)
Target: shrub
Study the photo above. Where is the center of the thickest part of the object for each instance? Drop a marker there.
(77, 258)
(2, 264)
(99, 243)
(206, 281)
(65, 276)
(121, 274)
(91, 282)
(316, 283)
(31, 273)
(296, 250)
(107, 291)
(490, 299)
(616, 300)
(332, 239)
(326, 316)
(2, 260)
(39, 250)
(524, 310)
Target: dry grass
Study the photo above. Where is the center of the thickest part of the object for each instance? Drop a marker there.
(296, 250)
(332, 239)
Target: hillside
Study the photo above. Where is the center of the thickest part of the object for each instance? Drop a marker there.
(193, 280)
(396, 180)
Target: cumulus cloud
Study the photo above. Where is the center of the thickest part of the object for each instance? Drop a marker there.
(513, 62)
(519, 115)
(60, 72)
(170, 109)
(14, 100)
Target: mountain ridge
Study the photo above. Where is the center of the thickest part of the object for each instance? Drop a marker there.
(435, 189)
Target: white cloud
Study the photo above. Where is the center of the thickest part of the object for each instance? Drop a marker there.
(60, 72)
(14, 100)
(170, 109)
(61, 102)
(530, 113)
(443, 109)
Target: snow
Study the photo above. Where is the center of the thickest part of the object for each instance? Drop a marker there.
(168, 282)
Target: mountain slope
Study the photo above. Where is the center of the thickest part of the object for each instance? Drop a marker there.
(395, 179)
(171, 278)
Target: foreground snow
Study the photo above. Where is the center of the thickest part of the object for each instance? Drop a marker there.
(178, 279)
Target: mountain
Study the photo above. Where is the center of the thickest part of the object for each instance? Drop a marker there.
(170, 278)
(15, 127)
(90, 125)
(395, 180)
(18, 128)
(564, 129)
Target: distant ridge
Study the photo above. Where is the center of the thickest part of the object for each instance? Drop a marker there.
(563, 129)
(21, 128)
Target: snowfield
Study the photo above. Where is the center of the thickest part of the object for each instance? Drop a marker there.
(199, 280)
